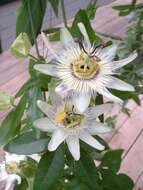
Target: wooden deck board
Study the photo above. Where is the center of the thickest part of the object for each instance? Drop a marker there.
(14, 73)
(139, 182)
(132, 164)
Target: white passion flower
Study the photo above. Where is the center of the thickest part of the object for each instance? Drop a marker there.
(70, 127)
(85, 69)
(9, 170)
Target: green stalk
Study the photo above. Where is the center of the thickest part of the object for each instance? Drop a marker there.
(32, 28)
(64, 13)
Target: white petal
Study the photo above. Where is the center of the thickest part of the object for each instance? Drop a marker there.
(55, 98)
(66, 38)
(118, 84)
(11, 181)
(17, 178)
(13, 157)
(57, 138)
(107, 94)
(48, 44)
(98, 128)
(44, 124)
(123, 62)
(87, 138)
(47, 69)
(62, 90)
(109, 52)
(9, 185)
(95, 111)
(86, 37)
(45, 108)
(73, 145)
(81, 103)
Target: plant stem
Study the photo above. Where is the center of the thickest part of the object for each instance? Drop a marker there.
(32, 28)
(35, 58)
(64, 13)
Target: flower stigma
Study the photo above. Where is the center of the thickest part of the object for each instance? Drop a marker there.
(86, 67)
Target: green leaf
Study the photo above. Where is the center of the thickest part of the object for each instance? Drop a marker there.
(91, 9)
(50, 169)
(22, 186)
(41, 80)
(30, 83)
(126, 182)
(112, 181)
(86, 172)
(127, 95)
(81, 16)
(52, 30)
(28, 168)
(11, 125)
(122, 7)
(54, 4)
(124, 10)
(33, 111)
(112, 160)
(23, 23)
(27, 143)
(74, 184)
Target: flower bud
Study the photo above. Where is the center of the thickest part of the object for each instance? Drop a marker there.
(21, 46)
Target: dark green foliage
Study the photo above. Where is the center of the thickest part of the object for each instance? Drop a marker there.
(50, 169)
(81, 16)
(25, 16)
(22, 186)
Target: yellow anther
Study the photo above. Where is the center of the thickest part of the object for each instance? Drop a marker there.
(61, 117)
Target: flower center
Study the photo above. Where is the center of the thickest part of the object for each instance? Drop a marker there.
(69, 119)
(86, 67)
(11, 167)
